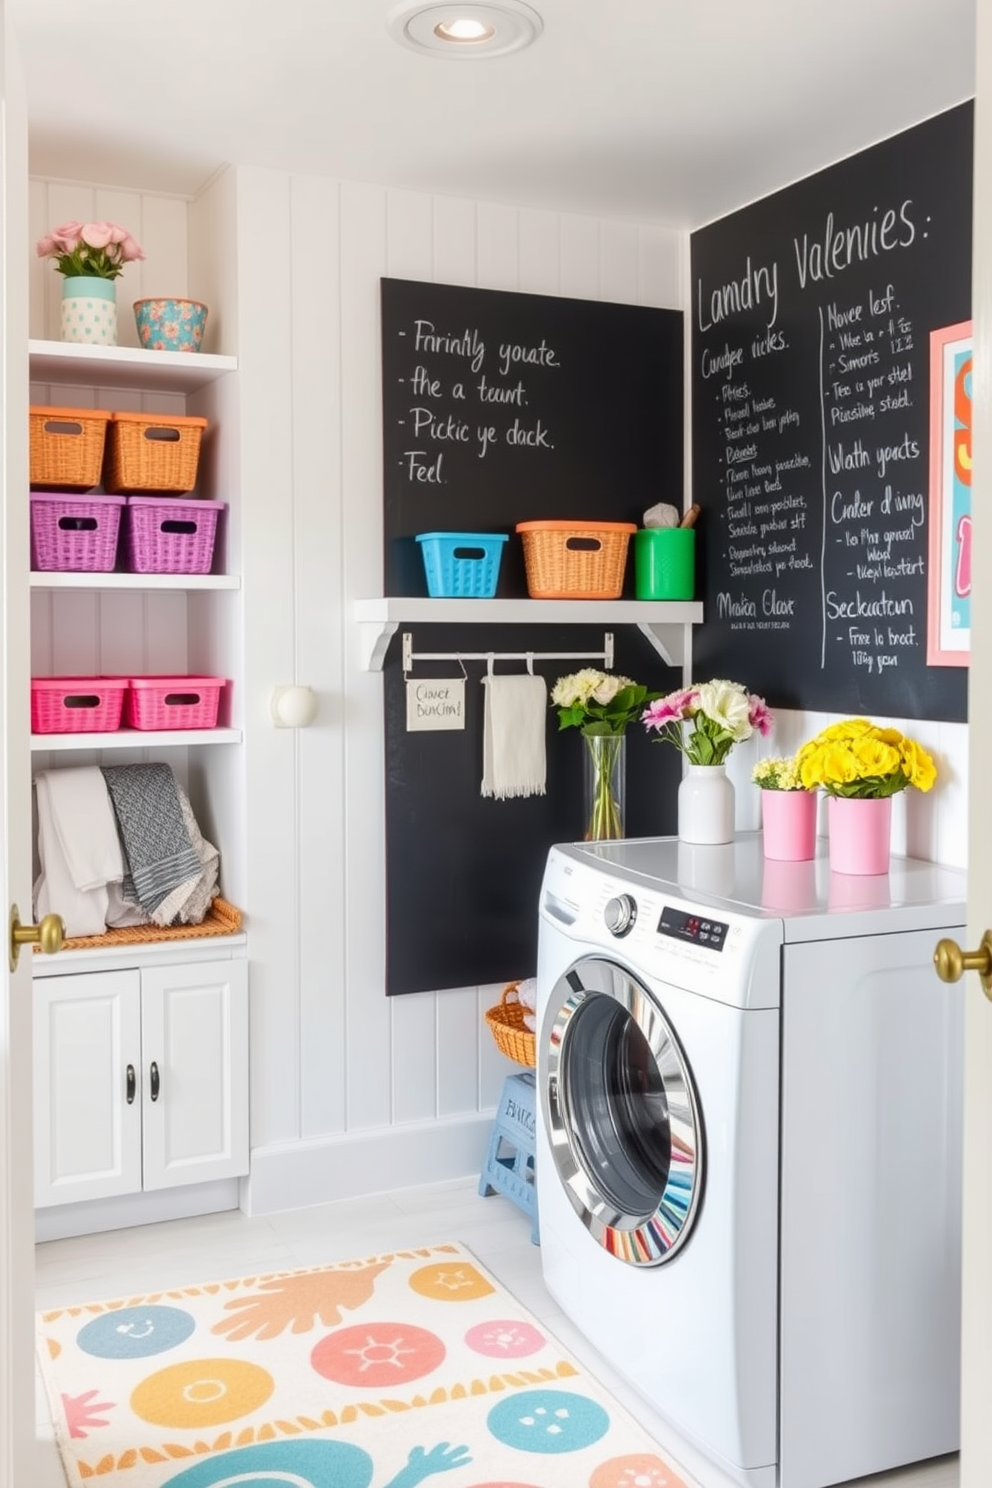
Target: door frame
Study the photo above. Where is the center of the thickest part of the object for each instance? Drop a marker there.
(17, 1404)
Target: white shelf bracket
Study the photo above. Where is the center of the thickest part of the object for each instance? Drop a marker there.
(673, 643)
(374, 637)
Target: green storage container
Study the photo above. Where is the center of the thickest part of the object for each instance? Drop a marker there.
(665, 563)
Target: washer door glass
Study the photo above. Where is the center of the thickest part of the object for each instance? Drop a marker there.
(621, 1113)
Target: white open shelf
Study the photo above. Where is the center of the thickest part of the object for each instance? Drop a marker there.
(126, 366)
(181, 582)
(666, 623)
(135, 739)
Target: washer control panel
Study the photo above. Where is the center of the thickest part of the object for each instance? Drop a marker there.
(620, 914)
(696, 928)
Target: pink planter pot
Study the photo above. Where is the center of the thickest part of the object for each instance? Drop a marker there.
(788, 820)
(859, 835)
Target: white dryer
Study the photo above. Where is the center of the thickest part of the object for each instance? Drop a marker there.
(749, 1147)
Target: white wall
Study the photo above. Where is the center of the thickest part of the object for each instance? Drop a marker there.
(353, 1092)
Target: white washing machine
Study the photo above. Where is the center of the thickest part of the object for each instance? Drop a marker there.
(749, 1147)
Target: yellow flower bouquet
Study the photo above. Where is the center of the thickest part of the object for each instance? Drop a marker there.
(858, 760)
(773, 773)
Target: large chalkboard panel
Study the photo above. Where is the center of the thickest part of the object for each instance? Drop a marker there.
(463, 872)
(500, 408)
(811, 317)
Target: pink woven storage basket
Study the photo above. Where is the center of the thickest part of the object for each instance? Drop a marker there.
(77, 705)
(165, 535)
(74, 534)
(173, 702)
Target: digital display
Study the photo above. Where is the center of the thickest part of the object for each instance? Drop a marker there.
(696, 928)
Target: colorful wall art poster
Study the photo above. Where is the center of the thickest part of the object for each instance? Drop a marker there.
(949, 578)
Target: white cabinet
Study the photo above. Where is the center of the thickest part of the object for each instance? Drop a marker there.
(141, 1079)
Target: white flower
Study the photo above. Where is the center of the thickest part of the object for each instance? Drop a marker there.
(609, 687)
(578, 688)
(726, 703)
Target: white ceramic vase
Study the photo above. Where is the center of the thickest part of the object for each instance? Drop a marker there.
(706, 805)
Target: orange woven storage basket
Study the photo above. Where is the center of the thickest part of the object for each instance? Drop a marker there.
(506, 1024)
(146, 452)
(66, 446)
(575, 560)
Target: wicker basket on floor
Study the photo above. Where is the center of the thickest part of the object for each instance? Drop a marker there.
(506, 1024)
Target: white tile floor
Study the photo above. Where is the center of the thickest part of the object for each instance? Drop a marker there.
(96, 1267)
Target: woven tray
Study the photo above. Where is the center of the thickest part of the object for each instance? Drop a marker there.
(506, 1024)
(221, 919)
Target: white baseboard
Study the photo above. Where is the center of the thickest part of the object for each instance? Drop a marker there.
(292, 1175)
(92, 1217)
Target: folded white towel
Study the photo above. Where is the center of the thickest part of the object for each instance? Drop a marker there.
(83, 911)
(530, 1021)
(513, 756)
(527, 992)
(86, 826)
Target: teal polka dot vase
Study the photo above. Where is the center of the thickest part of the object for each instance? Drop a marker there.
(89, 310)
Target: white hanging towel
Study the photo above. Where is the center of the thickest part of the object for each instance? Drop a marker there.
(514, 761)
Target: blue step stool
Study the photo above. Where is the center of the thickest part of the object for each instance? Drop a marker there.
(509, 1168)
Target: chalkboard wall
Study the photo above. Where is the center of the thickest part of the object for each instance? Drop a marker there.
(811, 317)
(500, 408)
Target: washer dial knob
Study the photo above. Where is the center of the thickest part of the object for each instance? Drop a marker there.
(620, 914)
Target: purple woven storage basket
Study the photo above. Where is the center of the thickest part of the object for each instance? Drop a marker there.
(165, 535)
(74, 534)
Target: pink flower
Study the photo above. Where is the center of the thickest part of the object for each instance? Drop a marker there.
(130, 250)
(67, 236)
(670, 709)
(61, 240)
(759, 714)
(97, 234)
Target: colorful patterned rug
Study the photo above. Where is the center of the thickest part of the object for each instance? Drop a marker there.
(387, 1372)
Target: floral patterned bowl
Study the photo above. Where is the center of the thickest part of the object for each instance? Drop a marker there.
(170, 325)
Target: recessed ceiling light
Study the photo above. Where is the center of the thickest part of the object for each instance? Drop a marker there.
(464, 29)
(456, 30)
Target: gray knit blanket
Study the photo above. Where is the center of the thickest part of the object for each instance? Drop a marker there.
(158, 853)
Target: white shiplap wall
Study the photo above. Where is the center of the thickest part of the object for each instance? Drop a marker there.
(351, 1091)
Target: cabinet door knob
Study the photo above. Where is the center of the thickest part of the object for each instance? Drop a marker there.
(952, 962)
(131, 1085)
(154, 1079)
(49, 934)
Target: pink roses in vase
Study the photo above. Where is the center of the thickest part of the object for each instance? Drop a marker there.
(90, 256)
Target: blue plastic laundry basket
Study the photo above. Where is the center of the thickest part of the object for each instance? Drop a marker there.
(462, 565)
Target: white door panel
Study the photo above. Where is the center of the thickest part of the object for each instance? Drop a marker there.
(17, 1412)
(194, 1100)
(976, 1341)
(87, 1063)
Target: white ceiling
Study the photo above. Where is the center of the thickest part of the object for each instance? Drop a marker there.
(651, 110)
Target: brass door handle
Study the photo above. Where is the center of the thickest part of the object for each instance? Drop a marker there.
(49, 935)
(952, 962)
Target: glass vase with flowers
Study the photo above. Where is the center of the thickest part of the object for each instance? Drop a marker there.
(601, 705)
